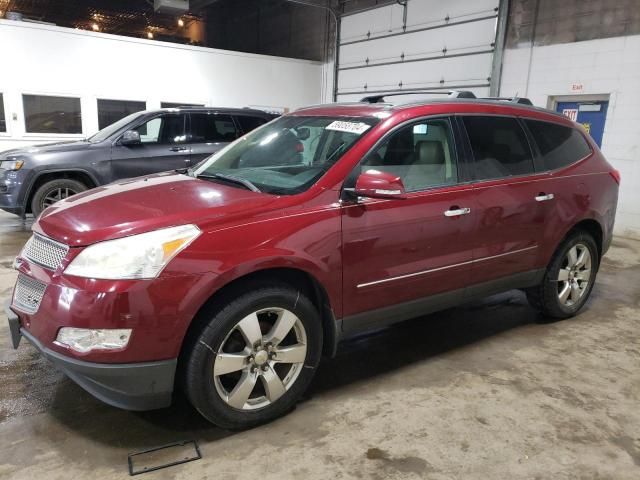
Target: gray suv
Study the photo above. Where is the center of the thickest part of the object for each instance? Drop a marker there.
(142, 143)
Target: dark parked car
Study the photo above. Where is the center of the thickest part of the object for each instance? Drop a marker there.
(33, 178)
(233, 279)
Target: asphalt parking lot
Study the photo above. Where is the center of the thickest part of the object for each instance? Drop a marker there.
(479, 391)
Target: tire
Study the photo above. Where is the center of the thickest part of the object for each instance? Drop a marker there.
(48, 191)
(217, 395)
(551, 297)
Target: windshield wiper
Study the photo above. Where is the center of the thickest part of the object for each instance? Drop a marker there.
(230, 178)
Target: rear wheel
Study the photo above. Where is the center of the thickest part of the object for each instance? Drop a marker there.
(53, 191)
(255, 358)
(569, 278)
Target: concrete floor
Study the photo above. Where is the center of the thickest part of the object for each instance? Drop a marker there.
(479, 391)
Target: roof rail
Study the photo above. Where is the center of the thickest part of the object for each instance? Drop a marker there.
(520, 100)
(450, 93)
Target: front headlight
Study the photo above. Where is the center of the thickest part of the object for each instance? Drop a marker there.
(140, 256)
(11, 164)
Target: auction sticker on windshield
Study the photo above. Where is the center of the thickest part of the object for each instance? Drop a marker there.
(349, 127)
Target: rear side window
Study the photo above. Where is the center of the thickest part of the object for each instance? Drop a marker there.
(212, 128)
(500, 147)
(250, 123)
(559, 145)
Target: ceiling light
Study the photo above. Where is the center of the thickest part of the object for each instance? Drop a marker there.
(180, 22)
(95, 27)
(149, 35)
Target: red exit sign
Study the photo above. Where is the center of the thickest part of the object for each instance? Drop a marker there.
(577, 87)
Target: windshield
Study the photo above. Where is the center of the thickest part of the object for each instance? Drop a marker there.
(106, 132)
(285, 156)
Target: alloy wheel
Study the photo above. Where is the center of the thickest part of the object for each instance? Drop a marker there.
(57, 194)
(260, 358)
(574, 275)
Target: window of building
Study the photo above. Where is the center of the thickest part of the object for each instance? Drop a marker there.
(48, 114)
(421, 154)
(110, 111)
(3, 119)
(166, 129)
(248, 123)
(500, 147)
(209, 127)
(559, 145)
(177, 105)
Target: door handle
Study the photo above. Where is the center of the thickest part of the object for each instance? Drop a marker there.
(178, 149)
(543, 197)
(456, 212)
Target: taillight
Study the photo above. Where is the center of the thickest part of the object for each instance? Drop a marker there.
(616, 175)
(299, 147)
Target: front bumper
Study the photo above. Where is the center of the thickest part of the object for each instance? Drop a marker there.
(11, 191)
(131, 386)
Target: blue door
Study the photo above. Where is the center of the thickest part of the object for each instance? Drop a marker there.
(591, 115)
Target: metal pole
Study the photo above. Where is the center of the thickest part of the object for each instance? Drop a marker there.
(336, 21)
(498, 54)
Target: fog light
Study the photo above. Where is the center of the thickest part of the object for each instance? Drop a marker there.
(84, 340)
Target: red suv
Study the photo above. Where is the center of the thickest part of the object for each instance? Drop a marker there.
(233, 279)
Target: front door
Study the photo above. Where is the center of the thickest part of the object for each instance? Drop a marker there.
(403, 250)
(163, 148)
(592, 116)
(511, 201)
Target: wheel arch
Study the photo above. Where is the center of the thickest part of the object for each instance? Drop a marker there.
(592, 227)
(44, 176)
(292, 276)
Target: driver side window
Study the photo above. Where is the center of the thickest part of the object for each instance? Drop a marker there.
(166, 129)
(421, 154)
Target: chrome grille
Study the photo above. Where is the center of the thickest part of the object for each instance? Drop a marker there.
(44, 251)
(28, 294)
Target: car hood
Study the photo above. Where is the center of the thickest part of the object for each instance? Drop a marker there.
(45, 148)
(144, 204)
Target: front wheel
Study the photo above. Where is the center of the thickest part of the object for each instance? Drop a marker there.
(53, 191)
(255, 358)
(569, 278)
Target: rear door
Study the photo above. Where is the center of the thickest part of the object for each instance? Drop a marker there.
(559, 147)
(208, 133)
(510, 206)
(162, 148)
(400, 250)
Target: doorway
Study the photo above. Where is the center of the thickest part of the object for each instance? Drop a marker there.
(588, 110)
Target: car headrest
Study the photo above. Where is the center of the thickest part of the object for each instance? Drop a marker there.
(374, 159)
(429, 152)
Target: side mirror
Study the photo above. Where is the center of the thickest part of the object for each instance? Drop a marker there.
(377, 184)
(130, 137)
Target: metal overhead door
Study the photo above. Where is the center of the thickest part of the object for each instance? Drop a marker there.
(425, 44)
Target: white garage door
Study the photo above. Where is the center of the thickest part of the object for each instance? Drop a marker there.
(435, 44)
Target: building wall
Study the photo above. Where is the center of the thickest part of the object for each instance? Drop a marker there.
(42, 59)
(571, 20)
(607, 66)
